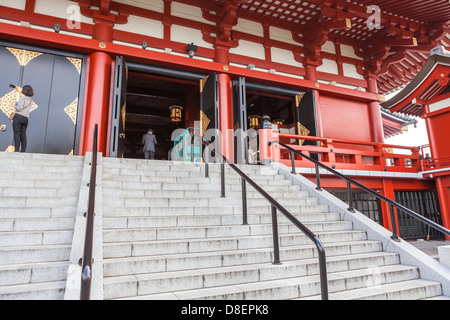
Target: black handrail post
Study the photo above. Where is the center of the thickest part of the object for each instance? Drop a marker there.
(86, 267)
(393, 224)
(322, 269)
(276, 245)
(350, 197)
(206, 159)
(293, 163)
(244, 202)
(318, 178)
(222, 179)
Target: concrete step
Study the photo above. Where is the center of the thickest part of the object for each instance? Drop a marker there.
(157, 211)
(137, 248)
(37, 291)
(283, 288)
(157, 283)
(109, 193)
(39, 212)
(34, 254)
(178, 262)
(38, 202)
(33, 273)
(123, 222)
(212, 231)
(405, 290)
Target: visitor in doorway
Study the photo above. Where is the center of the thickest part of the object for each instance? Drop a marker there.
(20, 121)
(149, 141)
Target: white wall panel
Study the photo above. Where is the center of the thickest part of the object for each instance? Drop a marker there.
(250, 27)
(348, 51)
(284, 57)
(351, 71)
(329, 47)
(16, 4)
(146, 27)
(153, 5)
(63, 9)
(282, 35)
(188, 12)
(329, 66)
(189, 35)
(249, 49)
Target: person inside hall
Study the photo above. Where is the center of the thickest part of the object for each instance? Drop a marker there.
(150, 142)
(20, 120)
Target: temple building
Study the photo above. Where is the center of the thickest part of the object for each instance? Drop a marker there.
(319, 69)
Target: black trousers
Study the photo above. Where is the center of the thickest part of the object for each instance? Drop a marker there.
(20, 124)
(149, 155)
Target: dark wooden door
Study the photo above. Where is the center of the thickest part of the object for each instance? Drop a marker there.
(56, 81)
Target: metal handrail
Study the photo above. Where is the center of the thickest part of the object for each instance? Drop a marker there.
(350, 182)
(87, 260)
(275, 205)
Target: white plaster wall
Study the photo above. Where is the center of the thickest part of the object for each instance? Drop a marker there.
(250, 27)
(146, 27)
(284, 57)
(351, 71)
(348, 51)
(329, 66)
(63, 9)
(440, 105)
(16, 4)
(282, 35)
(188, 12)
(249, 49)
(329, 47)
(154, 5)
(188, 35)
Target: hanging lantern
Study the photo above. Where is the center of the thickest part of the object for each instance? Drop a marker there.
(175, 113)
(254, 121)
(278, 122)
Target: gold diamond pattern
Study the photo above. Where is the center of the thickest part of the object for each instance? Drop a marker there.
(76, 63)
(204, 121)
(303, 131)
(71, 110)
(24, 56)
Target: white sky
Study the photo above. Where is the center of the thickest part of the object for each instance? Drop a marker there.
(414, 137)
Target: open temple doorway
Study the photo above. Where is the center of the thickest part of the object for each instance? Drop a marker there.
(144, 97)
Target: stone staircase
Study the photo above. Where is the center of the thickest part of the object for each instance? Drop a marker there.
(39, 197)
(169, 235)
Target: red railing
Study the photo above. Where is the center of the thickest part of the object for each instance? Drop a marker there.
(352, 155)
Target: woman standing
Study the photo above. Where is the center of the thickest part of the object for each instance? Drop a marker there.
(20, 121)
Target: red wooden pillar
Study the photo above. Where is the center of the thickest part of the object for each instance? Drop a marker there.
(374, 112)
(97, 104)
(226, 116)
(436, 127)
(98, 91)
(443, 190)
(388, 191)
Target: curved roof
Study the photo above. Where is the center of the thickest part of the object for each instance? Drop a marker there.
(428, 85)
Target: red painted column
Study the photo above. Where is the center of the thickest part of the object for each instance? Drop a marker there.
(443, 190)
(97, 104)
(387, 191)
(376, 124)
(226, 116)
